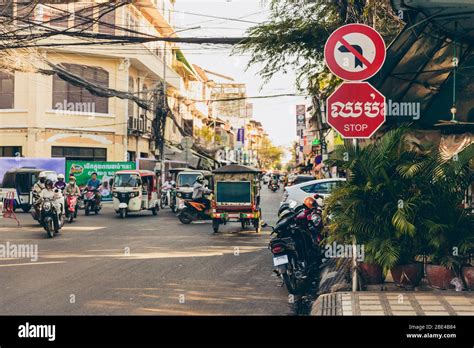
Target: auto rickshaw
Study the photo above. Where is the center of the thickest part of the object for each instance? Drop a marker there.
(134, 191)
(236, 197)
(20, 182)
(185, 179)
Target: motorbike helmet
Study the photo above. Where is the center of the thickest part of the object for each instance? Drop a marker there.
(200, 179)
(310, 202)
(42, 176)
(60, 177)
(48, 183)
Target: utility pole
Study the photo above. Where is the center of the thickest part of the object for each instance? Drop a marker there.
(163, 125)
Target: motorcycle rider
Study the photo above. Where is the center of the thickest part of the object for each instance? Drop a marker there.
(38, 188)
(199, 190)
(60, 184)
(50, 191)
(71, 188)
(168, 184)
(95, 183)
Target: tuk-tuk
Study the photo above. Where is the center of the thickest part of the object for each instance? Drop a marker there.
(134, 191)
(236, 197)
(20, 181)
(185, 180)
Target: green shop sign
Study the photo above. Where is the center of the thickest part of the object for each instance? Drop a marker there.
(83, 170)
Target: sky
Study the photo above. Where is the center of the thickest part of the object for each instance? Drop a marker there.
(276, 114)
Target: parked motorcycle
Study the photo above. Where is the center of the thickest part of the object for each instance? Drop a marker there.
(51, 216)
(90, 201)
(72, 206)
(193, 211)
(295, 248)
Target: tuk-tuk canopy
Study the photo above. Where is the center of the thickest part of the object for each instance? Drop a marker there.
(236, 169)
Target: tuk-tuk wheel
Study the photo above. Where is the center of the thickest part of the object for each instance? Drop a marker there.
(26, 207)
(258, 226)
(215, 225)
(123, 213)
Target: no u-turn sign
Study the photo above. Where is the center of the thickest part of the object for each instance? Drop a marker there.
(355, 52)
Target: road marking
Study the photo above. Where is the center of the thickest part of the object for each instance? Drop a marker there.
(31, 263)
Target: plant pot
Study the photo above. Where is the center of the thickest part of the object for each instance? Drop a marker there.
(439, 277)
(468, 276)
(407, 276)
(370, 273)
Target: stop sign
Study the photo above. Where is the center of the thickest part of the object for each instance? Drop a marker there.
(356, 110)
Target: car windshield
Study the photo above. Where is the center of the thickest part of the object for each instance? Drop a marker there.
(187, 180)
(126, 180)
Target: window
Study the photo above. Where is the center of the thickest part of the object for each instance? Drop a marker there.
(7, 82)
(73, 98)
(323, 187)
(80, 153)
(10, 151)
(107, 19)
(84, 16)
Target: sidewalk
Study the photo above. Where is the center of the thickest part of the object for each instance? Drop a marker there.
(394, 303)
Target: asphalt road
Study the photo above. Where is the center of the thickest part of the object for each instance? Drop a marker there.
(142, 265)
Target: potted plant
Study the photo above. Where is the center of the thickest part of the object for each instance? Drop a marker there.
(467, 272)
(401, 203)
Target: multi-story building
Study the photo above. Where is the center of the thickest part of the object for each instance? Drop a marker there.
(45, 116)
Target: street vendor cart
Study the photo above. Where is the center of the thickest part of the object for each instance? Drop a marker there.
(236, 197)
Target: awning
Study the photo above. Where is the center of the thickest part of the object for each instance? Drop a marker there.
(419, 64)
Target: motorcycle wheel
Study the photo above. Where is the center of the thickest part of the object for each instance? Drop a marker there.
(87, 209)
(70, 217)
(26, 207)
(123, 213)
(289, 278)
(49, 226)
(154, 211)
(185, 216)
(243, 224)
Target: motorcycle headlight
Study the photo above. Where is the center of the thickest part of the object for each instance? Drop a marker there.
(47, 206)
(179, 194)
(132, 195)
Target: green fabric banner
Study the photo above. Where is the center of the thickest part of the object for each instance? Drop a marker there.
(83, 170)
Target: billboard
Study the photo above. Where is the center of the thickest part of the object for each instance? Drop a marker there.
(55, 164)
(83, 170)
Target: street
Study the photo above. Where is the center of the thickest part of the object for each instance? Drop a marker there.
(143, 265)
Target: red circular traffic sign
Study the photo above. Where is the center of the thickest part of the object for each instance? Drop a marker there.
(355, 52)
(356, 110)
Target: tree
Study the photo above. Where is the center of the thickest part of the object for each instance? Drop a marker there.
(297, 31)
(269, 155)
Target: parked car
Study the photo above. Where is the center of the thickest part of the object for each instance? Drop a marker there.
(299, 179)
(299, 192)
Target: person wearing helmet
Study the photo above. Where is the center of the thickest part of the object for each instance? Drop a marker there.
(50, 191)
(199, 190)
(60, 184)
(71, 188)
(37, 189)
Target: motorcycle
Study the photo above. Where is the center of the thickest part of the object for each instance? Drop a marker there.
(295, 248)
(51, 216)
(193, 211)
(168, 198)
(274, 186)
(173, 202)
(71, 207)
(90, 201)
